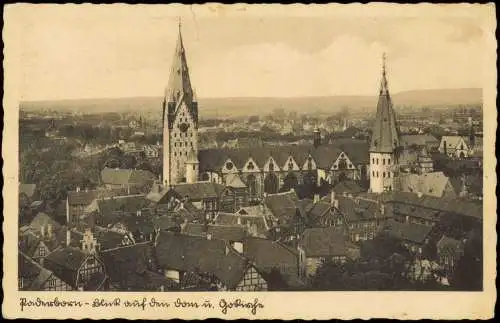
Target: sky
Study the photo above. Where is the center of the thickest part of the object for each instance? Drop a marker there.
(71, 51)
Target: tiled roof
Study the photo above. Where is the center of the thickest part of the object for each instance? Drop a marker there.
(28, 189)
(323, 242)
(323, 155)
(359, 209)
(29, 270)
(117, 176)
(284, 206)
(220, 232)
(408, 231)
(318, 210)
(132, 203)
(348, 186)
(231, 219)
(267, 254)
(199, 255)
(82, 197)
(64, 264)
(451, 205)
(42, 219)
(132, 267)
(419, 140)
(200, 190)
(433, 184)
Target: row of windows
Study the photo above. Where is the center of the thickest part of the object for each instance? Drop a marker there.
(375, 161)
(384, 174)
(182, 144)
(187, 134)
(180, 153)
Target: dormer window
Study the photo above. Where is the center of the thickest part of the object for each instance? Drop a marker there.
(229, 165)
(309, 163)
(271, 166)
(250, 166)
(290, 165)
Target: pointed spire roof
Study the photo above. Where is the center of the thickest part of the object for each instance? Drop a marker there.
(385, 137)
(179, 84)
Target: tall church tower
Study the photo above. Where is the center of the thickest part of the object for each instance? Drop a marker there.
(384, 142)
(180, 120)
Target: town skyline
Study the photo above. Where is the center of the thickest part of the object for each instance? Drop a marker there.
(254, 56)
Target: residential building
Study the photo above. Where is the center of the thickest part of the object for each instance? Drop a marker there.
(454, 146)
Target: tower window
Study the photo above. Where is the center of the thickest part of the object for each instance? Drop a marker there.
(377, 173)
(388, 161)
(377, 161)
(373, 173)
(383, 161)
(194, 167)
(383, 174)
(373, 160)
(175, 153)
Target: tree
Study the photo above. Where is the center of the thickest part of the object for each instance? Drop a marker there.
(328, 276)
(275, 280)
(468, 274)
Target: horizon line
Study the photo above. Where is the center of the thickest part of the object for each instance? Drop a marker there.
(247, 97)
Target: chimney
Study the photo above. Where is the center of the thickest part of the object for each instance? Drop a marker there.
(420, 194)
(316, 198)
(382, 209)
(42, 231)
(184, 225)
(78, 188)
(209, 236)
(239, 221)
(317, 138)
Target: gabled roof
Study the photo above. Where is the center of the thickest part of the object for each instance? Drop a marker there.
(267, 254)
(199, 190)
(200, 255)
(453, 141)
(451, 205)
(132, 268)
(115, 176)
(433, 184)
(412, 232)
(419, 140)
(229, 233)
(28, 189)
(132, 203)
(324, 155)
(42, 219)
(283, 206)
(323, 242)
(233, 180)
(65, 263)
(385, 136)
(234, 219)
(29, 270)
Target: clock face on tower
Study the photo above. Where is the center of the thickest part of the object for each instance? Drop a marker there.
(183, 127)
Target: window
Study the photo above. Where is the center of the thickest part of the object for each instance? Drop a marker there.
(250, 166)
(41, 252)
(194, 167)
(383, 174)
(20, 283)
(377, 161)
(388, 161)
(229, 165)
(290, 165)
(52, 283)
(377, 173)
(383, 161)
(271, 166)
(175, 153)
(373, 173)
(373, 160)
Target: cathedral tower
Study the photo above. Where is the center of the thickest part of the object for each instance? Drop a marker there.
(180, 120)
(384, 142)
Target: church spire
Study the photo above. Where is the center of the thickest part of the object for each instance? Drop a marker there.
(385, 136)
(179, 84)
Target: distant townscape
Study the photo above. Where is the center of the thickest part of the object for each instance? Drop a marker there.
(377, 197)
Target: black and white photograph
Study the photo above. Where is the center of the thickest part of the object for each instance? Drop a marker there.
(165, 150)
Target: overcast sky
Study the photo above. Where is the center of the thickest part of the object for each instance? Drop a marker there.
(107, 51)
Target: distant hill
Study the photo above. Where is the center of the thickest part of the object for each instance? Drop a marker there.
(226, 107)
